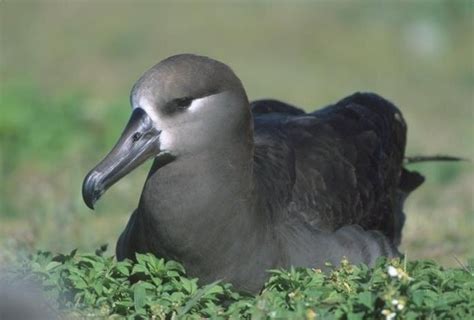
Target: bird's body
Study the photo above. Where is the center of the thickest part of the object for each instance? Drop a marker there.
(241, 189)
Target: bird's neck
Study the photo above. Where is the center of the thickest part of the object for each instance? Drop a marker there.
(201, 207)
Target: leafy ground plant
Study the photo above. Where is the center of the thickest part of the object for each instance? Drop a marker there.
(97, 286)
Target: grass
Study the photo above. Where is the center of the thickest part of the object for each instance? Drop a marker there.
(66, 70)
(96, 286)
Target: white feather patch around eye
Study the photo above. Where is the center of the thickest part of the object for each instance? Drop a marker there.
(197, 104)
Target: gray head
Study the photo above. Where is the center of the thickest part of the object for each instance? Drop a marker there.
(184, 105)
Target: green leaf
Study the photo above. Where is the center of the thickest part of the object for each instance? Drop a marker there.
(78, 282)
(366, 298)
(123, 269)
(157, 281)
(173, 265)
(138, 268)
(195, 298)
(417, 297)
(355, 316)
(141, 258)
(139, 295)
(52, 265)
(189, 285)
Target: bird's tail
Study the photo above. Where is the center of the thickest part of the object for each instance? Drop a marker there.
(415, 159)
(409, 181)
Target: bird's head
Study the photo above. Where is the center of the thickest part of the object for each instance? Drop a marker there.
(180, 107)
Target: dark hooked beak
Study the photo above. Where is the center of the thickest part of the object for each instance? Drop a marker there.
(138, 142)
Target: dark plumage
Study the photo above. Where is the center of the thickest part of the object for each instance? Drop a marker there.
(231, 198)
(341, 164)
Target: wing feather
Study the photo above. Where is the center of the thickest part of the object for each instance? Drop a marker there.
(337, 166)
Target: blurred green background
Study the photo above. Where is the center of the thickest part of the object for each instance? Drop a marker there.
(67, 68)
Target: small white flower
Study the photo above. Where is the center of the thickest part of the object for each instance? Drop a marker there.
(400, 306)
(394, 301)
(392, 271)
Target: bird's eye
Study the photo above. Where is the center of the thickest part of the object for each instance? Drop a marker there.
(183, 103)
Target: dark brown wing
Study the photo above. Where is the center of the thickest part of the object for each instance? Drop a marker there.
(264, 106)
(340, 165)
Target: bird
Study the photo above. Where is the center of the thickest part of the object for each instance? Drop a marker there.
(237, 188)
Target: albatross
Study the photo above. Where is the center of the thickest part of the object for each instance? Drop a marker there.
(238, 188)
